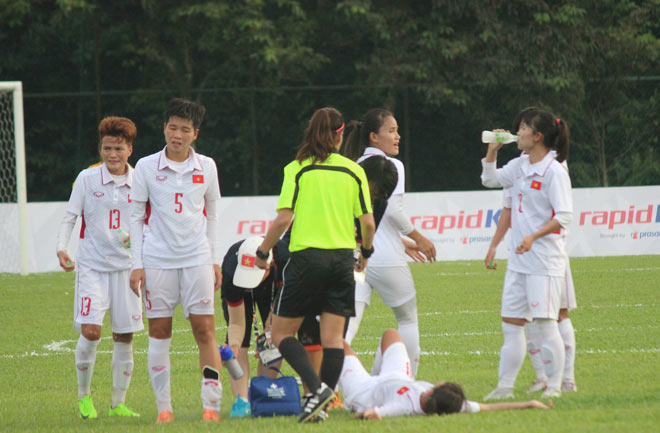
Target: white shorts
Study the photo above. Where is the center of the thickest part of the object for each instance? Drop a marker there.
(527, 296)
(357, 385)
(98, 292)
(568, 300)
(191, 287)
(394, 284)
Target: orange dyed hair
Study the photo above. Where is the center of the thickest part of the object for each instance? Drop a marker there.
(118, 127)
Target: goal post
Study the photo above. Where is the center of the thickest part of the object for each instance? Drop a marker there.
(13, 183)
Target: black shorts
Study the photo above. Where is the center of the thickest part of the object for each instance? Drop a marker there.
(309, 333)
(260, 298)
(317, 281)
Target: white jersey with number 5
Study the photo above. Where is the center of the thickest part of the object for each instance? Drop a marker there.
(176, 237)
(104, 207)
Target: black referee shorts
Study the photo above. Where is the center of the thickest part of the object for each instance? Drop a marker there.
(317, 281)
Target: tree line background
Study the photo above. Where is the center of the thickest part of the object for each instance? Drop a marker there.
(447, 69)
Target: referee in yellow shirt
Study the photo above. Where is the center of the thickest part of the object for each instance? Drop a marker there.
(325, 191)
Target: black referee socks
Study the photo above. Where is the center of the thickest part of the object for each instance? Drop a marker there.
(294, 353)
(333, 361)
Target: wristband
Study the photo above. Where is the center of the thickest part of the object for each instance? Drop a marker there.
(366, 253)
(261, 255)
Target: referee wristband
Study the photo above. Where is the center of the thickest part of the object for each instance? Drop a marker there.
(366, 253)
(261, 255)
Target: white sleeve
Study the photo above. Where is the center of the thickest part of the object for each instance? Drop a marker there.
(76, 202)
(66, 227)
(470, 406)
(507, 198)
(399, 217)
(137, 217)
(492, 177)
(393, 409)
(213, 191)
(139, 188)
(400, 187)
(561, 197)
(212, 229)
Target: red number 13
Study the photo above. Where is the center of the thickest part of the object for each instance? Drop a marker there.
(115, 220)
(85, 304)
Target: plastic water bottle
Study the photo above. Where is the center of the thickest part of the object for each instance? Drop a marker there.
(124, 238)
(497, 137)
(230, 362)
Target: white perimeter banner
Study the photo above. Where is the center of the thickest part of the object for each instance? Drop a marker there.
(606, 222)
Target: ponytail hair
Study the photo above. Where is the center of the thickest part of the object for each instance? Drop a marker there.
(556, 134)
(321, 135)
(358, 138)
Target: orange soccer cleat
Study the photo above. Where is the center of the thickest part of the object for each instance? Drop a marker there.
(335, 403)
(210, 415)
(165, 417)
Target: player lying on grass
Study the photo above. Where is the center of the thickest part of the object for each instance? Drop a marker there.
(390, 389)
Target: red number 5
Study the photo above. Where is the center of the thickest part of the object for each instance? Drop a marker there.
(177, 196)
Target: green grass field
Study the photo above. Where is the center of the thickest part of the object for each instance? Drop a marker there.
(617, 367)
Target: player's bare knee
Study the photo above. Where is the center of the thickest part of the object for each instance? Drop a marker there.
(91, 332)
(514, 321)
(123, 338)
(390, 336)
(348, 350)
(204, 335)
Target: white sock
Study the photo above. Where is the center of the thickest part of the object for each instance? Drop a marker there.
(159, 371)
(354, 322)
(211, 394)
(552, 351)
(85, 359)
(406, 317)
(378, 360)
(122, 370)
(410, 335)
(534, 351)
(512, 354)
(568, 336)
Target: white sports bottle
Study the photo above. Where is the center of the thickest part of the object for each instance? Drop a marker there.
(497, 137)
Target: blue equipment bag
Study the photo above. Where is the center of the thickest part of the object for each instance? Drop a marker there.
(274, 397)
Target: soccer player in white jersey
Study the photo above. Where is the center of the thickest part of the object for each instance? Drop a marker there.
(536, 271)
(388, 272)
(390, 390)
(176, 259)
(101, 197)
(568, 302)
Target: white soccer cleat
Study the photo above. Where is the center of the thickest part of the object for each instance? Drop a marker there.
(568, 386)
(551, 393)
(537, 386)
(499, 394)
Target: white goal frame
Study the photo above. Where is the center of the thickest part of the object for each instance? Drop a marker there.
(16, 87)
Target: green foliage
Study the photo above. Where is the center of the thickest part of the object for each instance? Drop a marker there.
(447, 69)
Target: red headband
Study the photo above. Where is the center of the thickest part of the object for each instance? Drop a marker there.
(341, 128)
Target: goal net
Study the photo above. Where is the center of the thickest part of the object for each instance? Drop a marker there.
(13, 191)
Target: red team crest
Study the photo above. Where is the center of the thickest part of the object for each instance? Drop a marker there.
(536, 185)
(198, 178)
(247, 261)
(403, 390)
